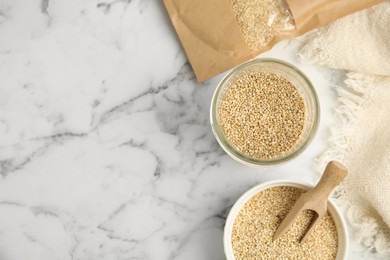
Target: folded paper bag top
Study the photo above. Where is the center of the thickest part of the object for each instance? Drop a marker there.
(214, 42)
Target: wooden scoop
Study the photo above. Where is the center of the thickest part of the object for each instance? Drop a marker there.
(315, 199)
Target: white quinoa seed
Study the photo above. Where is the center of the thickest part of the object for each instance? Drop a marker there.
(262, 114)
(257, 221)
(260, 20)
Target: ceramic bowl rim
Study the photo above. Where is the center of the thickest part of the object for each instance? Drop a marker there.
(336, 214)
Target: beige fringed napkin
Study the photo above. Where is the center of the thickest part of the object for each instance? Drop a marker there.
(360, 43)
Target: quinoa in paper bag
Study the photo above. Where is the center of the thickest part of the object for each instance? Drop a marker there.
(220, 34)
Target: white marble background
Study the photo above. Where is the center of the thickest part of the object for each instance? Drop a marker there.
(105, 146)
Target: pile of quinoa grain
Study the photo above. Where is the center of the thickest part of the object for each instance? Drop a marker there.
(262, 114)
(259, 218)
(260, 20)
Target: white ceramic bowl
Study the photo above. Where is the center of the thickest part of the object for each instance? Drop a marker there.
(334, 212)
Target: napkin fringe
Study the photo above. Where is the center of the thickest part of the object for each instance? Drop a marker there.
(367, 230)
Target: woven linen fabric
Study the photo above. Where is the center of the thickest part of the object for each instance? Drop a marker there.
(360, 44)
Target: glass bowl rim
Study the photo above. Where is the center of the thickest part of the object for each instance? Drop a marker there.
(241, 157)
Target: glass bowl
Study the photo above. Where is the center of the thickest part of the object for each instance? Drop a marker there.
(304, 88)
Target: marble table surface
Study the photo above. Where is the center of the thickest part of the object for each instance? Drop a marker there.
(106, 151)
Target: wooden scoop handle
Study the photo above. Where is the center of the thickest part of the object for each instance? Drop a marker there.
(334, 173)
(315, 199)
